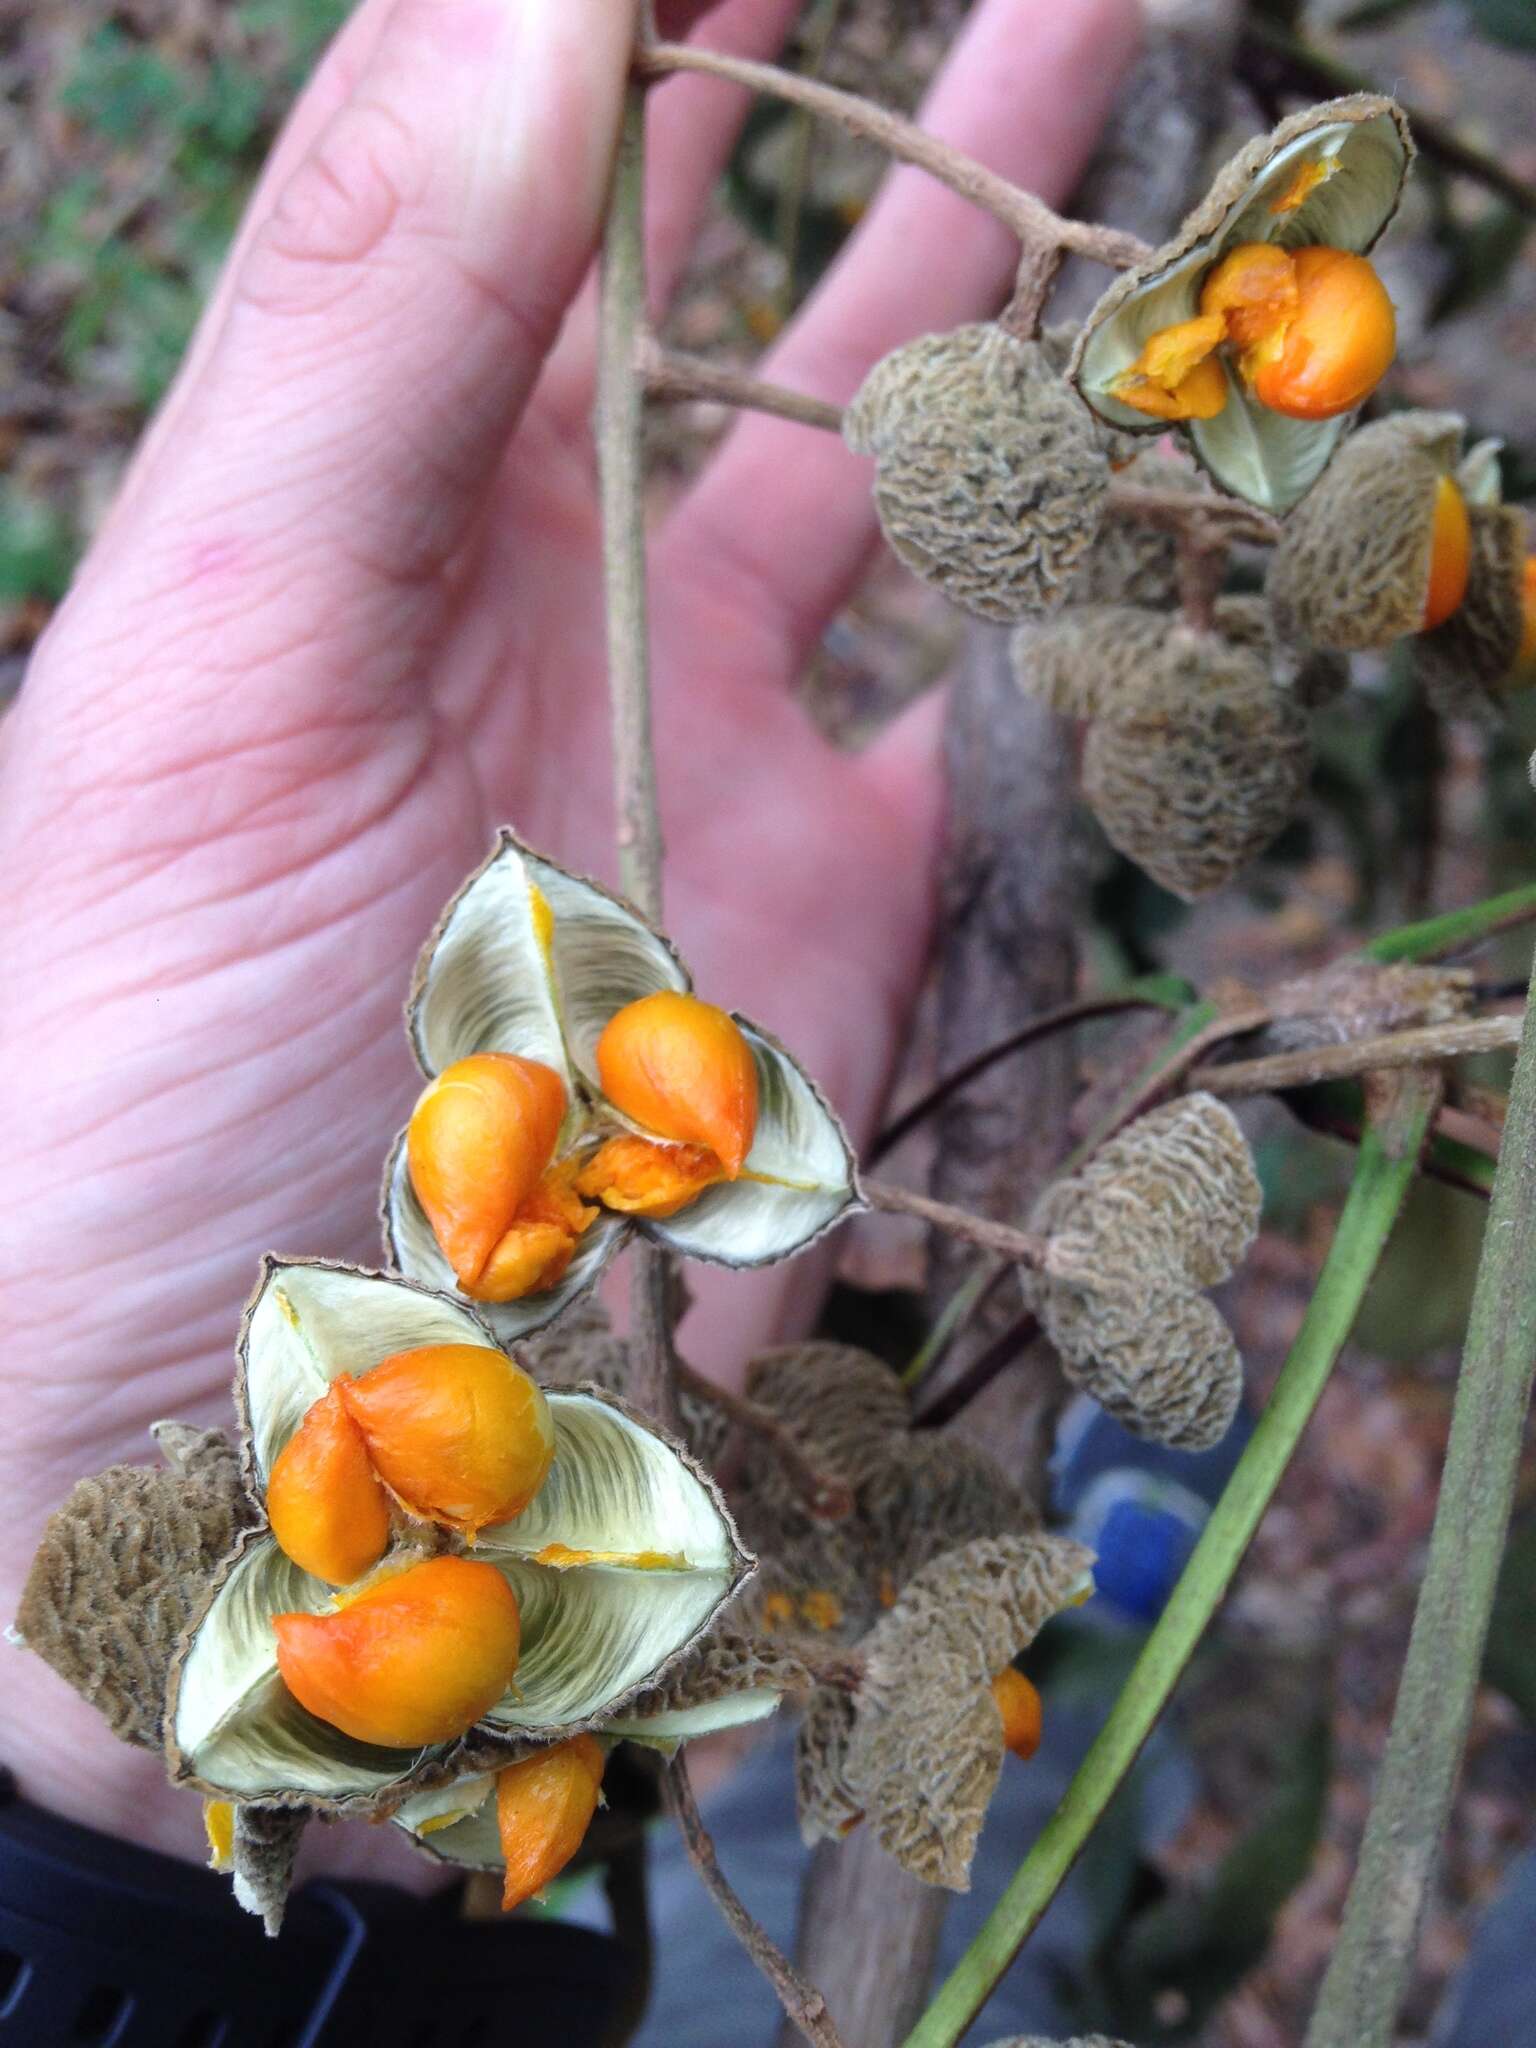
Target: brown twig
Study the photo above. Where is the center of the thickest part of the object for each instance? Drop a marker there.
(1420, 1047)
(1059, 1019)
(1028, 217)
(826, 1497)
(1178, 511)
(981, 1372)
(1022, 1246)
(802, 2002)
(1176, 1074)
(669, 375)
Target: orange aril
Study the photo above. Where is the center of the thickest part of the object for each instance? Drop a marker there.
(417, 1658)
(1526, 659)
(645, 1179)
(1176, 375)
(1450, 555)
(1019, 1705)
(1251, 290)
(457, 1432)
(327, 1509)
(682, 1069)
(544, 1806)
(480, 1139)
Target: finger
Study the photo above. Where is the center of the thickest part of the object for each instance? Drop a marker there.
(691, 128)
(784, 515)
(391, 312)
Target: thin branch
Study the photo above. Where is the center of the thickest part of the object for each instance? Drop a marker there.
(826, 1497)
(1372, 1961)
(982, 1371)
(802, 2002)
(1177, 511)
(967, 1301)
(1048, 1021)
(1169, 1069)
(1383, 1175)
(669, 374)
(1423, 1046)
(1024, 1247)
(1029, 218)
(1201, 566)
(620, 409)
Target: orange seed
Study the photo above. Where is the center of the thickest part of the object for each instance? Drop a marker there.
(327, 1509)
(682, 1068)
(479, 1141)
(544, 1806)
(1176, 376)
(1338, 345)
(1019, 1704)
(1450, 555)
(418, 1657)
(458, 1433)
(644, 1179)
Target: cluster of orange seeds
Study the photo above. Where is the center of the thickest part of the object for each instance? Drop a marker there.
(483, 1138)
(1311, 332)
(454, 1434)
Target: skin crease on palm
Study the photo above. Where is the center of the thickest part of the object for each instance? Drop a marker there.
(343, 620)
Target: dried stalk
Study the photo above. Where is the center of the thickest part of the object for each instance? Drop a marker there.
(620, 465)
(803, 2004)
(1035, 223)
(1023, 1246)
(825, 1497)
(1178, 511)
(1372, 1961)
(668, 374)
(1423, 1046)
(979, 1375)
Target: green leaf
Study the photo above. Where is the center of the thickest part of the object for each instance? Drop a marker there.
(121, 88)
(1509, 1656)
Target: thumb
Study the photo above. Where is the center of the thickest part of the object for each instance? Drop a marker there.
(386, 321)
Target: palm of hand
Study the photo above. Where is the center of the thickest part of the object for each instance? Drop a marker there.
(322, 650)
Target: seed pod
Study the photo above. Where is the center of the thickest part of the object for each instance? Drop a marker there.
(1197, 758)
(989, 476)
(1352, 567)
(828, 1806)
(1133, 561)
(726, 1679)
(1465, 665)
(266, 1842)
(1329, 176)
(1166, 1208)
(122, 1567)
(932, 1493)
(926, 1746)
(843, 1404)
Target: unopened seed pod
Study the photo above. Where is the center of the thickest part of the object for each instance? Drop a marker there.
(989, 477)
(1354, 562)
(1133, 561)
(1329, 177)
(1467, 663)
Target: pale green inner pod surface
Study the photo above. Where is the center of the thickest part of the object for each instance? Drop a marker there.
(486, 983)
(473, 1843)
(236, 1724)
(311, 1323)
(678, 1724)
(604, 956)
(803, 1174)
(415, 1250)
(1267, 458)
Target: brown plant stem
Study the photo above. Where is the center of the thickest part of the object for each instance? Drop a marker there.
(621, 483)
(1179, 511)
(983, 1370)
(669, 374)
(1174, 1076)
(826, 1498)
(1023, 1246)
(803, 2004)
(1422, 1046)
(1060, 1019)
(1029, 218)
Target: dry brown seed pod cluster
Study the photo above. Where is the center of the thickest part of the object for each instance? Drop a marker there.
(921, 1749)
(1164, 1210)
(1135, 561)
(989, 473)
(123, 1567)
(1197, 757)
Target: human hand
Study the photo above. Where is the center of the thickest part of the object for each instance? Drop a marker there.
(345, 619)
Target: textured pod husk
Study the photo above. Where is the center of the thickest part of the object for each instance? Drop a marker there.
(926, 1745)
(1167, 1208)
(123, 1566)
(1351, 568)
(1197, 757)
(843, 1404)
(989, 477)
(1255, 453)
(1464, 662)
(728, 1678)
(826, 1803)
(1133, 561)
(1361, 999)
(934, 1492)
